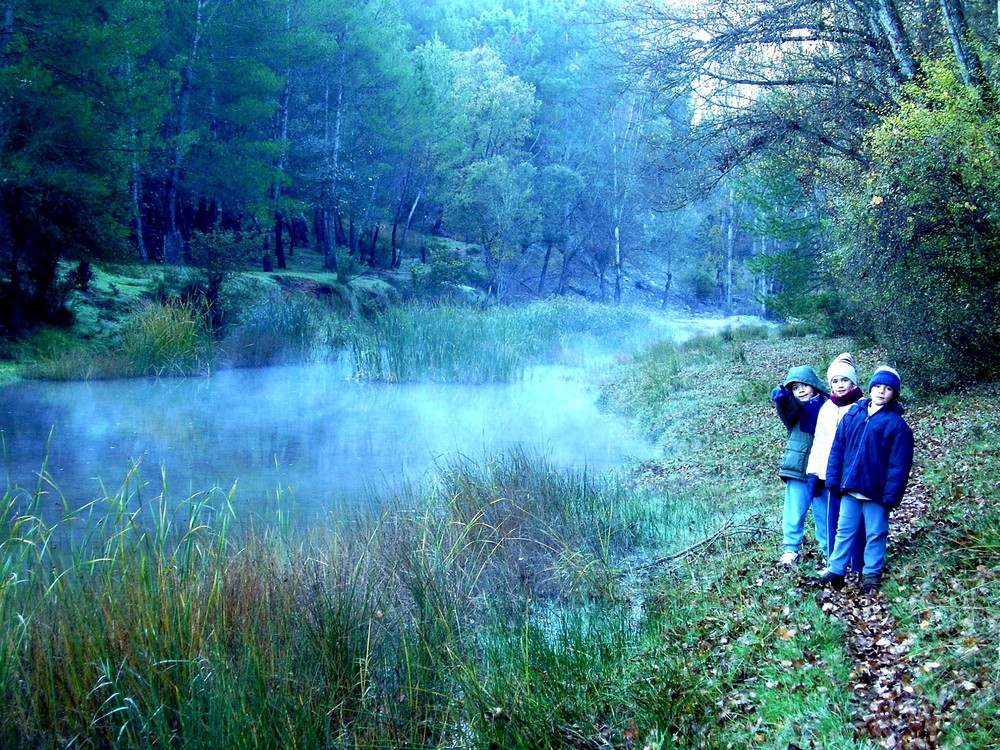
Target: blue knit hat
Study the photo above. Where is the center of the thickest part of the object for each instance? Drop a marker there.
(886, 375)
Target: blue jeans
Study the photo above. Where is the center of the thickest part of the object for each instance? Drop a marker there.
(861, 518)
(797, 505)
(856, 560)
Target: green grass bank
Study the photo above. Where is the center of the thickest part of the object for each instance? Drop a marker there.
(512, 605)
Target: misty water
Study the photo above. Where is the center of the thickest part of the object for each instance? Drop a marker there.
(304, 439)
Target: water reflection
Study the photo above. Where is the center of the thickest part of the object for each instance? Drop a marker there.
(308, 437)
(304, 433)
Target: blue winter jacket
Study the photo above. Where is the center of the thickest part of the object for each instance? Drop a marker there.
(872, 455)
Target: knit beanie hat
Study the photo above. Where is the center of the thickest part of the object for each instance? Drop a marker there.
(843, 367)
(886, 375)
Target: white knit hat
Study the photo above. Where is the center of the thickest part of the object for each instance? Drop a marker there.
(843, 366)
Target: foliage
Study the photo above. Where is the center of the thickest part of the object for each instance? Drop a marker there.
(494, 206)
(800, 293)
(445, 273)
(62, 191)
(219, 253)
(920, 265)
(701, 286)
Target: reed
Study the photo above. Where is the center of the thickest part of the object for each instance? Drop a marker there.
(168, 339)
(465, 344)
(136, 621)
(276, 329)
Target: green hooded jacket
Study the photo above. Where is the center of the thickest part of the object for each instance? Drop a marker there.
(789, 408)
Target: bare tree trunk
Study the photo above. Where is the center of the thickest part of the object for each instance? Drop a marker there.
(730, 235)
(624, 142)
(140, 240)
(969, 63)
(891, 23)
(618, 264)
(282, 133)
(406, 227)
(173, 244)
(329, 243)
(279, 239)
(172, 241)
(545, 268)
(332, 140)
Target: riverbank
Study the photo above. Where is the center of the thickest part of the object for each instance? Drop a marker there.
(520, 607)
(782, 663)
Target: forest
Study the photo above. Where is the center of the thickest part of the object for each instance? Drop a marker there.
(337, 214)
(834, 163)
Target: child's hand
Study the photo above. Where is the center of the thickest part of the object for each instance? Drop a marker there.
(814, 484)
(779, 393)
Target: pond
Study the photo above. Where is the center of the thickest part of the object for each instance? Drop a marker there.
(306, 438)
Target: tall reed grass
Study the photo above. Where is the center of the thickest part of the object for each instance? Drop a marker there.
(162, 625)
(276, 329)
(466, 344)
(158, 340)
(170, 339)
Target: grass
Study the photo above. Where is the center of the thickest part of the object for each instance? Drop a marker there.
(511, 605)
(162, 626)
(451, 343)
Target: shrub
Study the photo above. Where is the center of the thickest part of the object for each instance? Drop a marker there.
(171, 339)
(917, 247)
(278, 328)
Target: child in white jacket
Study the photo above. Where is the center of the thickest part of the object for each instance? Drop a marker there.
(844, 391)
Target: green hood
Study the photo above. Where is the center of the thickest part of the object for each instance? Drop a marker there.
(806, 374)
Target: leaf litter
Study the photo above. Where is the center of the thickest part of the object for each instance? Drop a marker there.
(904, 697)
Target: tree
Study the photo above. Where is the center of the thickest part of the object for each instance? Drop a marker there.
(495, 206)
(346, 134)
(920, 243)
(63, 150)
(559, 194)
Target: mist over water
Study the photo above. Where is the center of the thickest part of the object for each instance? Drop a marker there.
(305, 438)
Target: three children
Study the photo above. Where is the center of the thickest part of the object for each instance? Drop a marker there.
(843, 379)
(861, 449)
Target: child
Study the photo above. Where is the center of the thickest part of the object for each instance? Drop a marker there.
(843, 379)
(869, 467)
(798, 401)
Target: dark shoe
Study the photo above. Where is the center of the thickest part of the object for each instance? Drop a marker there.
(835, 580)
(871, 583)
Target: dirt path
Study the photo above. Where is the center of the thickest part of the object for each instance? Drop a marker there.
(890, 707)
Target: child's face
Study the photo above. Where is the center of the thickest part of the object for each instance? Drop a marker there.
(882, 394)
(802, 392)
(840, 385)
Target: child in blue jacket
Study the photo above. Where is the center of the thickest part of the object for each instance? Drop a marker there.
(798, 401)
(869, 468)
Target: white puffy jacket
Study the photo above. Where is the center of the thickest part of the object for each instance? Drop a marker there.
(826, 427)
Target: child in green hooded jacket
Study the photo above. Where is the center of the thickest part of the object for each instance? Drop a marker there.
(797, 402)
